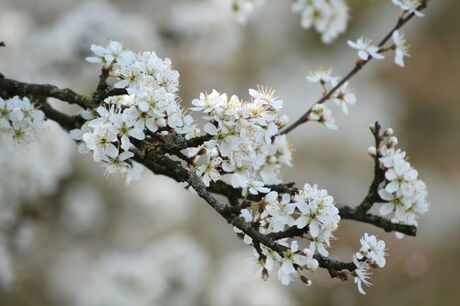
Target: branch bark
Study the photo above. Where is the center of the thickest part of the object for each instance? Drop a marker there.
(10, 87)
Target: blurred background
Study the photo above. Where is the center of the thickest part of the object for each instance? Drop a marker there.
(70, 236)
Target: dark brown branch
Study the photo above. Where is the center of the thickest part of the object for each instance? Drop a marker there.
(176, 142)
(11, 87)
(113, 92)
(358, 66)
(101, 91)
(379, 176)
(350, 213)
(66, 122)
(160, 164)
(291, 232)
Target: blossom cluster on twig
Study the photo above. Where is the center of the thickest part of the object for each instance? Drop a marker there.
(134, 118)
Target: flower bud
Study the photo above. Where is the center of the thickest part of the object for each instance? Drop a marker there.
(388, 132)
(372, 151)
(393, 140)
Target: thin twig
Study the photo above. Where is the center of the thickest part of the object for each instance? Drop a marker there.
(379, 176)
(358, 66)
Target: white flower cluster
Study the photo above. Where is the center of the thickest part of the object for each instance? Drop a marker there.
(328, 17)
(343, 97)
(409, 6)
(318, 212)
(149, 105)
(311, 209)
(19, 118)
(244, 9)
(244, 142)
(404, 194)
(371, 254)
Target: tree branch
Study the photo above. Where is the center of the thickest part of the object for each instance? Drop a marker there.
(358, 66)
(157, 162)
(10, 87)
(66, 122)
(379, 175)
(101, 90)
(347, 212)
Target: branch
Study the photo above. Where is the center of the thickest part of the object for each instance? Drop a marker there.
(101, 90)
(291, 232)
(10, 87)
(158, 163)
(347, 212)
(66, 122)
(176, 142)
(379, 175)
(358, 66)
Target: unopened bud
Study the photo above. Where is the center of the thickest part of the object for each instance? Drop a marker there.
(393, 140)
(372, 151)
(372, 128)
(388, 132)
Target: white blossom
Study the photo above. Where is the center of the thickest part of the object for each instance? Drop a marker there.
(244, 136)
(344, 97)
(107, 55)
(322, 76)
(361, 274)
(366, 49)
(404, 194)
(322, 114)
(318, 212)
(328, 17)
(19, 119)
(409, 6)
(372, 250)
(402, 48)
(292, 256)
(279, 213)
(244, 9)
(149, 105)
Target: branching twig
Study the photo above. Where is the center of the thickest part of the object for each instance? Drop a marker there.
(158, 162)
(358, 66)
(379, 175)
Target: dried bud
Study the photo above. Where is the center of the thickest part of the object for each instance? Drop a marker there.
(305, 280)
(265, 274)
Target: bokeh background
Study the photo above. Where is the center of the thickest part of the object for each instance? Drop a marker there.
(70, 236)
